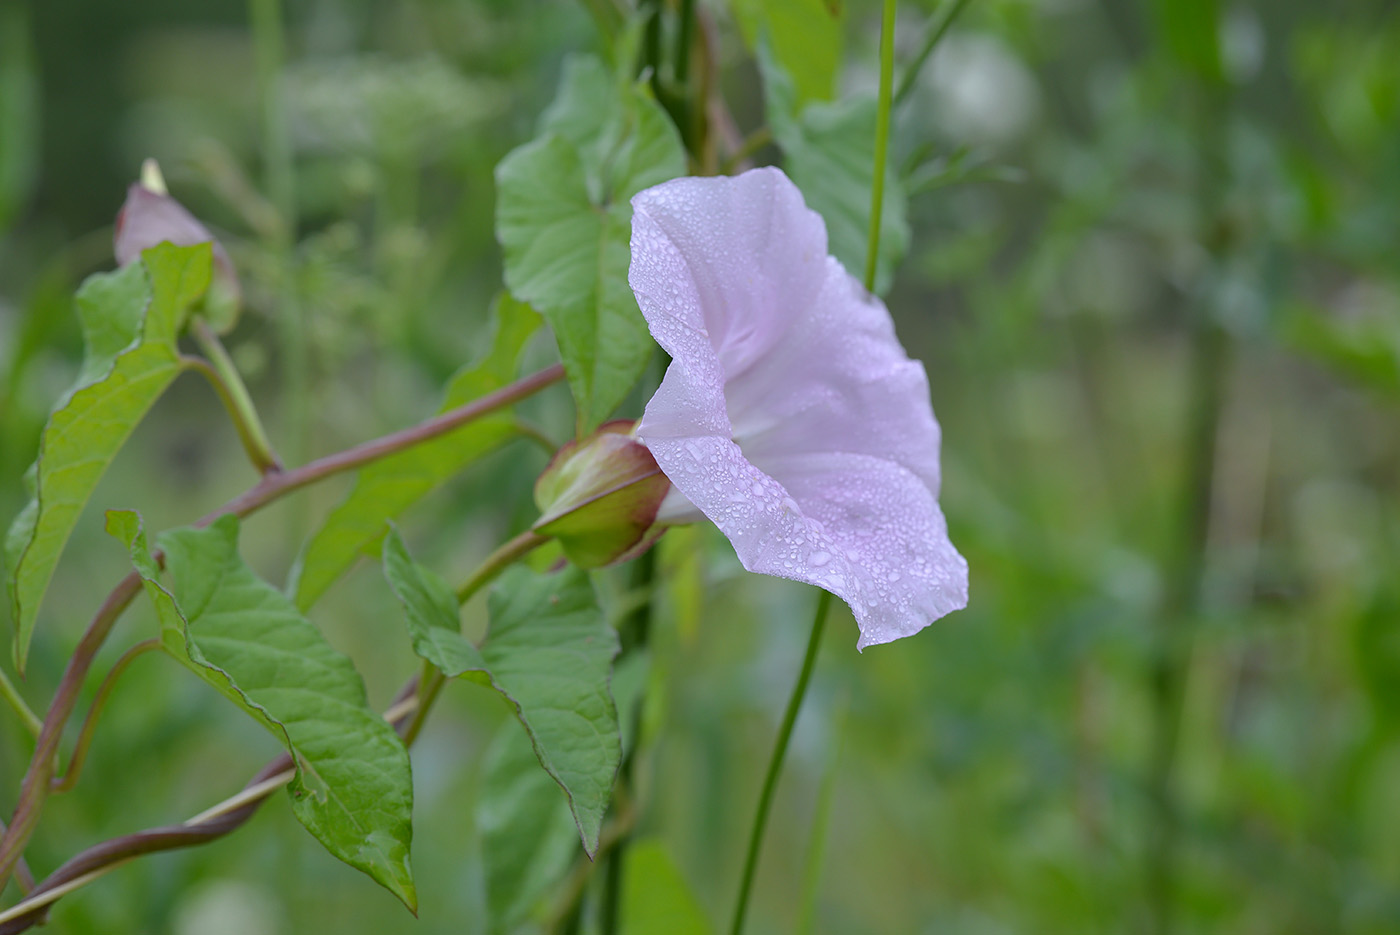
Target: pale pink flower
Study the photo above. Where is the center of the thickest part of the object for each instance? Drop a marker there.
(790, 415)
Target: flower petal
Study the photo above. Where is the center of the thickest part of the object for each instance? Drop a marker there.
(790, 415)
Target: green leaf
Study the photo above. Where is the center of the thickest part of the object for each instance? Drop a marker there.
(655, 896)
(430, 608)
(391, 485)
(527, 835)
(130, 321)
(548, 651)
(805, 38)
(829, 152)
(353, 788)
(563, 216)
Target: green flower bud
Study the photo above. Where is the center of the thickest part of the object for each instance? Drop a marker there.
(599, 497)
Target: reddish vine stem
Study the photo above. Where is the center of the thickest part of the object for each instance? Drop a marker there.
(35, 786)
(197, 831)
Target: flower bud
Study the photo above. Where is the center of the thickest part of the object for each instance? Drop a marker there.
(149, 216)
(599, 497)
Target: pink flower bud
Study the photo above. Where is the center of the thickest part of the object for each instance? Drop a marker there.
(149, 216)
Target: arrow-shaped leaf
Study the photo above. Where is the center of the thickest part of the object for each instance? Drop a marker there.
(130, 320)
(548, 650)
(563, 217)
(353, 788)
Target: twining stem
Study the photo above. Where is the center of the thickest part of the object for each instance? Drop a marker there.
(210, 824)
(775, 764)
(23, 877)
(236, 399)
(15, 700)
(882, 142)
(274, 486)
(104, 691)
(935, 35)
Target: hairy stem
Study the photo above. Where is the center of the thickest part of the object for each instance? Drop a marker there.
(775, 764)
(882, 142)
(272, 487)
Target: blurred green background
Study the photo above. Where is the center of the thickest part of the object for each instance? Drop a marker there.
(1155, 277)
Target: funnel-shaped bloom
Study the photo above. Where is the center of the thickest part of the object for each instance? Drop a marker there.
(790, 415)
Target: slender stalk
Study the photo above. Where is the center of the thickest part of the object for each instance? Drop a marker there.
(272, 487)
(23, 877)
(634, 633)
(684, 41)
(775, 764)
(882, 142)
(237, 400)
(498, 561)
(262, 459)
(15, 700)
(935, 35)
(429, 686)
(270, 53)
(1210, 355)
(75, 766)
(210, 824)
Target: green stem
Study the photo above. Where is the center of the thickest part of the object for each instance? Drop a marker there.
(683, 43)
(429, 685)
(270, 52)
(775, 764)
(882, 142)
(1210, 357)
(935, 35)
(75, 766)
(231, 389)
(15, 700)
(498, 561)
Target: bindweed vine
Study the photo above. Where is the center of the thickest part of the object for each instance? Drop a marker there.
(789, 416)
